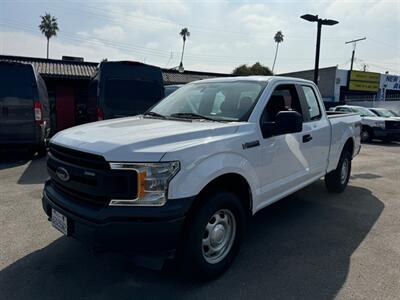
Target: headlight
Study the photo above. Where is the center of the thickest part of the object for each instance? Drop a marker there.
(152, 182)
(380, 124)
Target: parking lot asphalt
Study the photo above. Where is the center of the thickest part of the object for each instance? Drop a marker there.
(310, 245)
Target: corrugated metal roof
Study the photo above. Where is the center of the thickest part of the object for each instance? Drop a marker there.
(56, 68)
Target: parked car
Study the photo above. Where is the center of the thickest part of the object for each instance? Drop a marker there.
(24, 107)
(123, 88)
(169, 89)
(385, 113)
(373, 126)
(181, 179)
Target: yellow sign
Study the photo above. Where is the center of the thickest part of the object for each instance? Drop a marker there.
(364, 81)
(365, 76)
(363, 86)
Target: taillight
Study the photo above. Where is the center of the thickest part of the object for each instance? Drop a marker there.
(38, 112)
(100, 114)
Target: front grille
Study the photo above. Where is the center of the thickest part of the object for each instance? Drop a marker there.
(90, 177)
(80, 196)
(79, 158)
(392, 124)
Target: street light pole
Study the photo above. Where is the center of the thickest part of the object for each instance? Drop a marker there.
(320, 22)
(317, 49)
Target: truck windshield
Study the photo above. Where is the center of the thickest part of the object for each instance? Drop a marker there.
(220, 101)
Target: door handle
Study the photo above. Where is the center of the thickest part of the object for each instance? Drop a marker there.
(307, 138)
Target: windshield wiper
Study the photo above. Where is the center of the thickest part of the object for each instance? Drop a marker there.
(188, 115)
(154, 114)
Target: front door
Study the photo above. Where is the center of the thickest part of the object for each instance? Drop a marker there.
(283, 165)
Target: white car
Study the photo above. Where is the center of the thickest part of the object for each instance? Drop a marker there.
(373, 126)
(181, 179)
(384, 113)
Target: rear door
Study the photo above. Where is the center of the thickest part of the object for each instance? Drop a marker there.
(17, 93)
(128, 97)
(128, 88)
(317, 132)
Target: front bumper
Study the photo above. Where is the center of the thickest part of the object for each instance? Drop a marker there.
(141, 230)
(390, 134)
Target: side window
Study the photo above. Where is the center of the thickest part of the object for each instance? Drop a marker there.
(343, 109)
(313, 110)
(284, 98)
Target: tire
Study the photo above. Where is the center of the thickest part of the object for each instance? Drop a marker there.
(218, 223)
(366, 135)
(337, 180)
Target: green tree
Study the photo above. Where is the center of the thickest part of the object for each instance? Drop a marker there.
(184, 34)
(278, 38)
(256, 69)
(49, 27)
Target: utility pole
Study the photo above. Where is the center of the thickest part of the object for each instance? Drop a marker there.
(354, 42)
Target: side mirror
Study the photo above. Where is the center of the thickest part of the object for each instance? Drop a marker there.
(288, 122)
(285, 122)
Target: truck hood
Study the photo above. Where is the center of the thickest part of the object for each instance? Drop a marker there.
(140, 139)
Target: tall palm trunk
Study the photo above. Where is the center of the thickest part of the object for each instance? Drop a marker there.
(48, 40)
(183, 51)
(276, 54)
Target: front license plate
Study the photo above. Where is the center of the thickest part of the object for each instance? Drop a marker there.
(59, 221)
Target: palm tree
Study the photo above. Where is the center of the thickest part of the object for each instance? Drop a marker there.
(49, 27)
(184, 34)
(278, 38)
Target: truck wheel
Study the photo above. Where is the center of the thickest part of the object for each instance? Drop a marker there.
(366, 135)
(336, 180)
(213, 236)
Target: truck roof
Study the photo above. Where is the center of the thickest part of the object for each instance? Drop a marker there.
(254, 79)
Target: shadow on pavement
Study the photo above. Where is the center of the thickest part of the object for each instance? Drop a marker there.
(35, 172)
(298, 248)
(386, 144)
(365, 176)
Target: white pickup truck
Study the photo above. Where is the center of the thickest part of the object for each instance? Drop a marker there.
(181, 180)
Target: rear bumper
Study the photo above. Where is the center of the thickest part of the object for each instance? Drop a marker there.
(391, 134)
(142, 230)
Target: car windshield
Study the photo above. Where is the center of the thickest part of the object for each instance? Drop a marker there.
(363, 112)
(219, 101)
(385, 113)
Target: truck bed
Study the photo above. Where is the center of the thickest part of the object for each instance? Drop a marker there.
(341, 123)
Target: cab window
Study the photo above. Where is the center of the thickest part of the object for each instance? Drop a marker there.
(313, 109)
(284, 98)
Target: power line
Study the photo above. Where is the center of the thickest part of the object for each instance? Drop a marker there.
(143, 50)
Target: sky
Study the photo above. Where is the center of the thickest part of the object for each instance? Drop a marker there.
(223, 34)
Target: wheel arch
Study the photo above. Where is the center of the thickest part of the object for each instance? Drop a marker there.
(233, 182)
(349, 146)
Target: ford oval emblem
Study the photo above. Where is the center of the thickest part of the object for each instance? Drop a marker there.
(62, 174)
